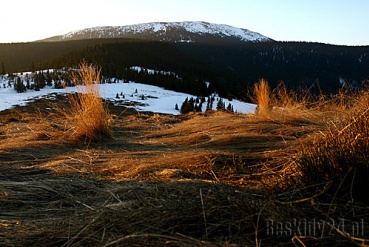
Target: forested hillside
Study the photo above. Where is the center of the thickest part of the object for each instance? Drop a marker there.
(230, 68)
(297, 64)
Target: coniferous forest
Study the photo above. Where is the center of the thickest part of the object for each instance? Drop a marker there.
(231, 68)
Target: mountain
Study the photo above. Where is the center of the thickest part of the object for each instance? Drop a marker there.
(169, 32)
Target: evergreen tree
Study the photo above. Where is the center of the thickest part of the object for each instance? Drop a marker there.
(176, 107)
(191, 104)
(220, 105)
(42, 81)
(19, 86)
(230, 108)
(48, 78)
(198, 107)
(28, 85)
(185, 107)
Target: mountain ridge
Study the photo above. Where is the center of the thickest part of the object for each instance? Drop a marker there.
(189, 31)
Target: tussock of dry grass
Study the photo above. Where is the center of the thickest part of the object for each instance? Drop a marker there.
(338, 154)
(262, 97)
(288, 107)
(88, 117)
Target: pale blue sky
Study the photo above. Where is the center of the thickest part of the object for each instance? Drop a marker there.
(328, 21)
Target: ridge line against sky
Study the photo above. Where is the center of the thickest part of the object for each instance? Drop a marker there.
(341, 22)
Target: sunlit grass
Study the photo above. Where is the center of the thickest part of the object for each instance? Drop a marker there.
(88, 115)
(237, 170)
(287, 106)
(262, 97)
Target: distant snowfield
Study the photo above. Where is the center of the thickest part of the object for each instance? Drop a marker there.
(142, 97)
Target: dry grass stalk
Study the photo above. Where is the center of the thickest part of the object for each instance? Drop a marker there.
(262, 97)
(88, 114)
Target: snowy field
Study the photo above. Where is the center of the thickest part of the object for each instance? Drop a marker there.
(142, 97)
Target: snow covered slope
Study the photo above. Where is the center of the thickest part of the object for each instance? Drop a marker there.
(142, 97)
(168, 31)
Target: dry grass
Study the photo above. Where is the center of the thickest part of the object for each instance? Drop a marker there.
(195, 180)
(288, 107)
(87, 116)
(340, 156)
(155, 183)
(262, 97)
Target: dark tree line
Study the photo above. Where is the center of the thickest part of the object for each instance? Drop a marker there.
(298, 64)
(231, 68)
(39, 79)
(116, 60)
(196, 104)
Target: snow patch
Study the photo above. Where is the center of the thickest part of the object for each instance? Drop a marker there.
(142, 97)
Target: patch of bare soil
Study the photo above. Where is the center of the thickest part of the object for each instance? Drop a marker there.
(214, 179)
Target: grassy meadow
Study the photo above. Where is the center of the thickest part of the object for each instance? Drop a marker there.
(293, 174)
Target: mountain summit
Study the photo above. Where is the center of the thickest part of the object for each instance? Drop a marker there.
(169, 32)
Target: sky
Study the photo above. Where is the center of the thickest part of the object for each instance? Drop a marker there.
(340, 22)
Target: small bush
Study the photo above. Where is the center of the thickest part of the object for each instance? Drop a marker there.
(88, 115)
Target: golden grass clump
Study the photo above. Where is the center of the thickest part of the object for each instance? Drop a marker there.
(262, 97)
(88, 115)
(289, 107)
(341, 155)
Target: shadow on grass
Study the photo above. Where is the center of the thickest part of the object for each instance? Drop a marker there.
(54, 193)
